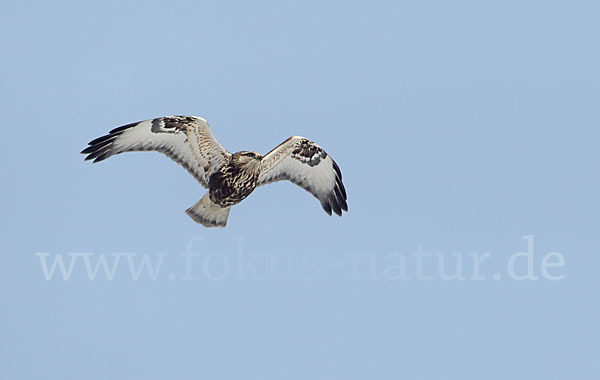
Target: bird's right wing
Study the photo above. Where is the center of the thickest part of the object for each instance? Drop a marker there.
(187, 140)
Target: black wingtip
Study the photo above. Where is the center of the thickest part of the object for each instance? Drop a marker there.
(342, 189)
(118, 130)
(335, 206)
(101, 148)
(335, 201)
(326, 207)
(341, 201)
(102, 157)
(101, 139)
(337, 170)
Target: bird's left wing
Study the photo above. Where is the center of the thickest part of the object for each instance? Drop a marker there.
(187, 140)
(306, 164)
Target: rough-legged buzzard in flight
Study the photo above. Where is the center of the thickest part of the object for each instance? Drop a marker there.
(230, 178)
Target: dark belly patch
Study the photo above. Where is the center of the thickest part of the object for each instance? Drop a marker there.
(230, 186)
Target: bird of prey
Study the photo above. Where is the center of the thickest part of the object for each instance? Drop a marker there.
(230, 178)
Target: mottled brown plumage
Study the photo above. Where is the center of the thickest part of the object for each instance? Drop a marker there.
(234, 181)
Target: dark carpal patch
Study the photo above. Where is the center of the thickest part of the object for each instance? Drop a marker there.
(157, 125)
(172, 124)
(309, 153)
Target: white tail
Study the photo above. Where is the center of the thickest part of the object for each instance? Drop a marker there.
(208, 213)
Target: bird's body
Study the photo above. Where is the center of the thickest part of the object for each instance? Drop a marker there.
(234, 181)
(230, 178)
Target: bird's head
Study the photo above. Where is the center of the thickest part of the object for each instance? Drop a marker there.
(247, 159)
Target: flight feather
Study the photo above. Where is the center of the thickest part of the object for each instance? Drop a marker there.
(307, 165)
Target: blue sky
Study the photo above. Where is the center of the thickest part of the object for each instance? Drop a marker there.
(462, 128)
